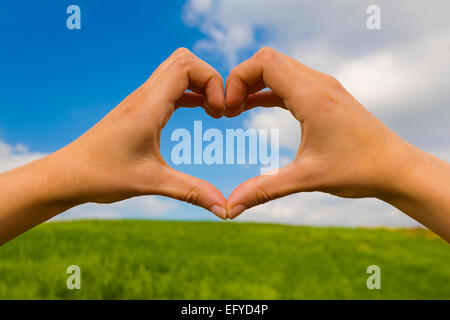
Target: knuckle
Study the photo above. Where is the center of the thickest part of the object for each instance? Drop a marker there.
(333, 82)
(182, 57)
(262, 196)
(182, 52)
(266, 53)
(235, 74)
(192, 196)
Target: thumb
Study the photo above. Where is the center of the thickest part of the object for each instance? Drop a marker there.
(264, 188)
(181, 186)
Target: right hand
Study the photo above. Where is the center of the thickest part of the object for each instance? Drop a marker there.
(344, 149)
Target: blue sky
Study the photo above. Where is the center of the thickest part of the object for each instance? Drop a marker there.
(56, 83)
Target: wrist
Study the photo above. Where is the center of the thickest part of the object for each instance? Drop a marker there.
(401, 164)
(32, 194)
(421, 191)
(409, 172)
(60, 179)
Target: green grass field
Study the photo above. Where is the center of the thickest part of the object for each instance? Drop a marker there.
(205, 260)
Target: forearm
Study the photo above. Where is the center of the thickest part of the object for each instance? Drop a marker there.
(34, 193)
(423, 191)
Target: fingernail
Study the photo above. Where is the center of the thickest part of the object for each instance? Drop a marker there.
(236, 104)
(236, 210)
(219, 211)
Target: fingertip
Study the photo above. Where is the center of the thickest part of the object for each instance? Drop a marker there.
(235, 211)
(215, 96)
(215, 105)
(239, 200)
(212, 113)
(233, 100)
(219, 211)
(235, 93)
(214, 195)
(233, 112)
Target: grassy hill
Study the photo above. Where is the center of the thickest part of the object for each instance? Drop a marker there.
(204, 260)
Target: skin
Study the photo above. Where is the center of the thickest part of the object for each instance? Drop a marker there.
(120, 156)
(344, 151)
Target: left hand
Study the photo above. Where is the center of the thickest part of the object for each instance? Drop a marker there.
(120, 156)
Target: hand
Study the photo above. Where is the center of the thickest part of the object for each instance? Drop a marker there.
(120, 157)
(344, 149)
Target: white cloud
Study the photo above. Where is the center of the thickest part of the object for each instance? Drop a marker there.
(324, 210)
(277, 118)
(88, 212)
(147, 207)
(442, 153)
(12, 156)
(202, 6)
(136, 208)
(400, 79)
(381, 68)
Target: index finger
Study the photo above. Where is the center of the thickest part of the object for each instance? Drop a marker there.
(184, 71)
(267, 68)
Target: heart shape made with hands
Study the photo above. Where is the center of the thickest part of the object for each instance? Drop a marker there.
(243, 91)
(339, 153)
